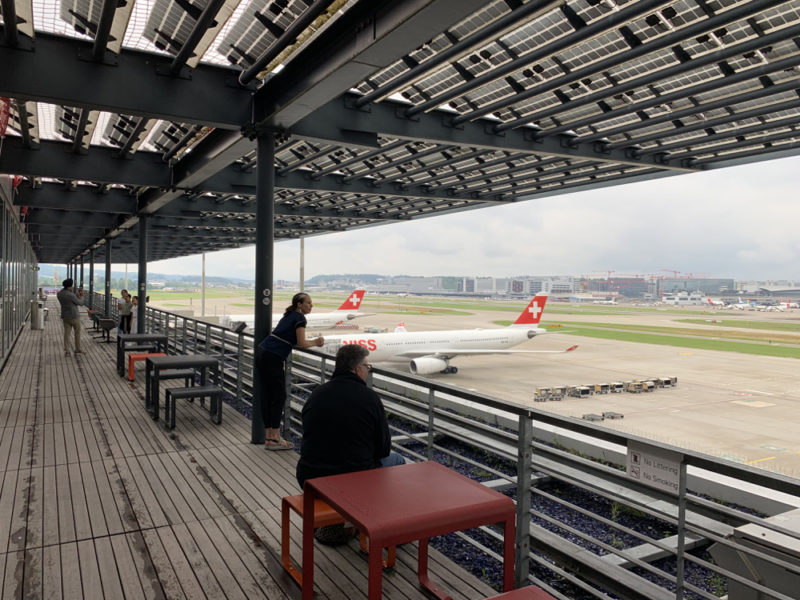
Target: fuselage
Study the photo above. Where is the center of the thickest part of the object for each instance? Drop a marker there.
(403, 346)
(315, 321)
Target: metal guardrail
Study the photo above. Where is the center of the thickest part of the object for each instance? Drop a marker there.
(571, 547)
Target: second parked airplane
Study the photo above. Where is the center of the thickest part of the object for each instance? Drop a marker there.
(430, 352)
(346, 312)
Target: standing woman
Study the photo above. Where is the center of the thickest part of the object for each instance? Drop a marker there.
(272, 352)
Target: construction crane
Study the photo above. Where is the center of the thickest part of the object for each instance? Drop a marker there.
(673, 271)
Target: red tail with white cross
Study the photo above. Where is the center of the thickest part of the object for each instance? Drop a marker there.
(353, 301)
(533, 312)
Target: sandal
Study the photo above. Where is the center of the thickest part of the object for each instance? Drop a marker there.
(277, 445)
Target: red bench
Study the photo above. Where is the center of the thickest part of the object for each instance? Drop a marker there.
(132, 358)
(324, 516)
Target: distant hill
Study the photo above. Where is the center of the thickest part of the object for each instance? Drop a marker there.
(46, 272)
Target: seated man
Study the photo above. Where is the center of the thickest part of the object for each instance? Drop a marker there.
(344, 423)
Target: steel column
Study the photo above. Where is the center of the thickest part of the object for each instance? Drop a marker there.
(91, 278)
(81, 276)
(107, 305)
(265, 233)
(141, 314)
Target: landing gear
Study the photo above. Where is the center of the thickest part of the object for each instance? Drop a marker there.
(448, 370)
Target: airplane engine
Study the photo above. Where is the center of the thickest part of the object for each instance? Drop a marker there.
(427, 366)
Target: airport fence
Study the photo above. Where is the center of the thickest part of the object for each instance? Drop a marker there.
(598, 512)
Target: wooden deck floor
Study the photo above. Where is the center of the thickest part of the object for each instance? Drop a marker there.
(98, 501)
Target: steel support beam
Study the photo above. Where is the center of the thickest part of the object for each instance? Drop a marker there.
(71, 219)
(368, 37)
(58, 69)
(265, 251)
(80, 198)
(386, 119)
(56, 160)
(231, 181)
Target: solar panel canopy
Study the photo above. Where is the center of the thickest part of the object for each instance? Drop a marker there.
(379, 111)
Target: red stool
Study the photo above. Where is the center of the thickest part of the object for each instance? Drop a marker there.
(132, 358)
(324, 516)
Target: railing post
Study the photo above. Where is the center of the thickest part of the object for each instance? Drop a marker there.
(679, 575)
(239, 355)
(429, 451)
(322, 371)
(183, 339)
(524, 477)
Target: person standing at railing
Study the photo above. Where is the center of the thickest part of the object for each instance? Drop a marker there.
(133, 323)
(125, 306)
(271, 355)
(70, 301)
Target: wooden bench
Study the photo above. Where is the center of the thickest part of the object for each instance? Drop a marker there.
(172, 394)
(324, 516)
(529, 592)
(133, 358)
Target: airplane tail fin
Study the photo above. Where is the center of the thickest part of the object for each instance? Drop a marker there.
(353, 301)
(533, 312)
(401, 327)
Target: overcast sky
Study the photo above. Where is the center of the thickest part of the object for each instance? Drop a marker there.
(739, 222)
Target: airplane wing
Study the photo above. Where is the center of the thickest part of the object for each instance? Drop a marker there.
(447, 354)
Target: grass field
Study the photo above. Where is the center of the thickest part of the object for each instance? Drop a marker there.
(665, 336)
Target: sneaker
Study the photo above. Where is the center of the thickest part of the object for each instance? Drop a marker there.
(334, 535)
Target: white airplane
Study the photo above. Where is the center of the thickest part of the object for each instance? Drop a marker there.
(346, 312)
(792, 305)
(715, 302)
(430, 352)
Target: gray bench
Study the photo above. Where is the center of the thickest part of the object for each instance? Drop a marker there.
(186, 374)
(205, 391)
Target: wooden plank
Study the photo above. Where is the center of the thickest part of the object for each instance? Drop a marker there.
(70, 572)
(91, 584)
(14, 568)
(16, 520)
(35, 521)
(90, 499)
(112, 498)
(107, 567)
(32, 574)
(188, 479)
(250, 554)
(66, 524)
(143, 567)
(145, 506)
(183, 567)
(51, 573)
(50, 530)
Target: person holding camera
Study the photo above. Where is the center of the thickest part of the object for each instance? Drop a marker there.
(70, 301)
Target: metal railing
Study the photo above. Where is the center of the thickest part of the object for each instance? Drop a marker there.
(616, 514)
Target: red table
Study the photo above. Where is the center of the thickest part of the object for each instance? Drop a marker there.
(396, 505)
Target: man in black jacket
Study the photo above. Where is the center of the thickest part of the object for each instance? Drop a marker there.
(344, 423)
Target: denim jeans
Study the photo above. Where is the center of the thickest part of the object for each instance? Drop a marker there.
(394, 459)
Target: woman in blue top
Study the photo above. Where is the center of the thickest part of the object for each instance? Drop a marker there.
(272, 352)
